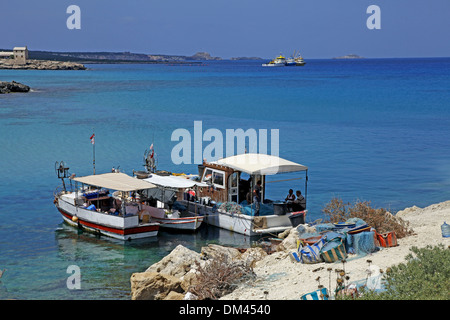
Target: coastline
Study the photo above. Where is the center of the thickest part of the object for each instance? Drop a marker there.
(41, 65)
(284, 279)
(277, 276)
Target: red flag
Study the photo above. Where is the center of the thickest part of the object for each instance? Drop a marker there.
(92, 138)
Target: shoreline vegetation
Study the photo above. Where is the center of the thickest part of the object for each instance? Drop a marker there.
(256, 273)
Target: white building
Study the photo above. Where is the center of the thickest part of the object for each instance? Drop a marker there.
(20, 55)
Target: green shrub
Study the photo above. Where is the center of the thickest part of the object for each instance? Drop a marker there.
(424, 276)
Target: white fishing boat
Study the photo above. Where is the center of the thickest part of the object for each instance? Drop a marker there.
(93, 208)
(290, 62)
(295, 60)
(160, 203)
(298, 59)
(222, 202)
(168, 212)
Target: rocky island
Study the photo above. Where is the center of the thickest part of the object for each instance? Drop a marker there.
(349, 56)
(41, 65)
(8, 87)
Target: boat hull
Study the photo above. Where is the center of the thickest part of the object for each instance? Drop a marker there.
(183, 224)
(127, 228)
(241, 223)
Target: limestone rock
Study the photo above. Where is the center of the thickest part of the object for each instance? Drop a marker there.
(174, 296)
(177, 263)
(253, 255)
(41, 65)
(212, 251)
(153, 285)
(290, 242)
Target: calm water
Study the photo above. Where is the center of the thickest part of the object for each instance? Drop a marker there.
(374, 130)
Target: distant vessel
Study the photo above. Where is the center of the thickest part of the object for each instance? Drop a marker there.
(279, 61)
(295, 60)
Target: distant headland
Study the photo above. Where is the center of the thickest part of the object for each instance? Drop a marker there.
(7, 59)
(19, 58)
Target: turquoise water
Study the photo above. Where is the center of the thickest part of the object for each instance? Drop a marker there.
(375, 130)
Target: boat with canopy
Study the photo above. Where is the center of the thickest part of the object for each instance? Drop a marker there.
(225, 202)
(93, 208)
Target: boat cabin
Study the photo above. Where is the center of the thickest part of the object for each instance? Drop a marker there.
(232, 179)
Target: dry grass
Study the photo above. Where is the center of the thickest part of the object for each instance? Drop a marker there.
(219, 277)
(380, 219)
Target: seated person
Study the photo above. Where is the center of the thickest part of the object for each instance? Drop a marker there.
(299, 204)
(290, 199)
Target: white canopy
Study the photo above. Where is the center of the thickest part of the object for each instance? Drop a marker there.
(116, 181)
(173, 182)
(264, 164)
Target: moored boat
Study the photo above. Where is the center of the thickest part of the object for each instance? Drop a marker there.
(168, 212)
(224, 201)
(93, 208)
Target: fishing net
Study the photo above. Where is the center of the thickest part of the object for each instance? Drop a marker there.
(324, 227)
(361, 243)
(231, 207)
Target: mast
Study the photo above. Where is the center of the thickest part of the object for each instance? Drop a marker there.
(93, 148)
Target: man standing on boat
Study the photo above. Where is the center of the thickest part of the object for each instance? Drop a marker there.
(257, 197)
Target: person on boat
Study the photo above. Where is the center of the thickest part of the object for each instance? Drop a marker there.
(257, 197)
(290, 200)
(299, 204)
(290, 197)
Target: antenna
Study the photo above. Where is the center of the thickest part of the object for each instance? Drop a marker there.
(62, 172)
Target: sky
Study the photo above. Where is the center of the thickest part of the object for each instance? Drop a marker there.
(231, 28)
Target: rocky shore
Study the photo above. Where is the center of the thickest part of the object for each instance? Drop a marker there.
(41, 65)
(8, 87)
(276, 276)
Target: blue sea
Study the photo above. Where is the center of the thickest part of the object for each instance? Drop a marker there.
(374, 130)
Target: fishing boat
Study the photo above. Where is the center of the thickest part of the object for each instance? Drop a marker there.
(296, 60)
(279, 61)
(160, 203)
(299, 61)
(224, 201)
(168, 212)
(93, 208)
(290, 62)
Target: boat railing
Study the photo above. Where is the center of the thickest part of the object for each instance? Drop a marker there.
(60, 189)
